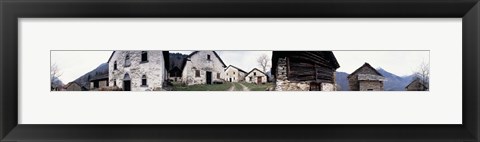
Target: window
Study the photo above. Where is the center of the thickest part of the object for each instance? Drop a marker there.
(127, 60)
(115, 83)
(254, 74)
(208, 57)
(218, 75)
(233, 73)
(144, 80)
(115, 65)
(227, 73)
(197, 73)
(144, 56)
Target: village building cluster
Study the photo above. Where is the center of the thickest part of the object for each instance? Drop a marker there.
(290, 71)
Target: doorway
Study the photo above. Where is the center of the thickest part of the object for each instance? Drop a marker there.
(259, 80)
(209, 77)
(127, 83)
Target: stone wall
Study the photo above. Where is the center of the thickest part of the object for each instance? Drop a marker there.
(365, 85)
(283, 84)
(199, 62)
(153, 69)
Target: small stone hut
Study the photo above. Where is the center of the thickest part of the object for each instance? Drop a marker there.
(416, 85)
(256, 76)
(304, 70)
(366, 78)
(74, 86)
(138, 70)
(234, 74)
(203, 67)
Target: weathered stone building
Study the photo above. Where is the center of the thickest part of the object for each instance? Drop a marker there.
(175, 74)
(365, 78)
(416, 85)
(203, 67)
(73, 86)
(304, 70)
(99, 81)
(138, 70)
(256, 76)
(234, 74)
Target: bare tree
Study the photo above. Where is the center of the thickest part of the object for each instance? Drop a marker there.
(263, 61)
(423, 73)
(54, 75)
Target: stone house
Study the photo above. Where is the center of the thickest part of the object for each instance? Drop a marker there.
(203, 67)
(304, 70)
(74, 86)
(366, 78)
(416, 85)
(99, 81)
(234, 74)
(138, 70)
(256, 76)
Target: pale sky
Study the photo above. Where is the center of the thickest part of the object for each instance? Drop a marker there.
(74, 64)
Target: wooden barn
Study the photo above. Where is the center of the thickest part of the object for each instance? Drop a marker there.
(366, 78)
(234, 74)
(99, 81)
(256, 76)
(416, 85)
(304, 70)
(203, 67)
(175, 74)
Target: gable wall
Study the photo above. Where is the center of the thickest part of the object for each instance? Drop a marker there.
(154, 70)
(199, 61)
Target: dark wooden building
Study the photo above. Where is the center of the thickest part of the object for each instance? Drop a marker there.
(366, 78)
(304, 70)
(416, 85)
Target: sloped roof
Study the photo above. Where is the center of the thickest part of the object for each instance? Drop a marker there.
(99, 77)
(324, 56)
(166, 58)
(417, 80)
(236, 68)
(365, 65)
(195, 52)
(257, 70)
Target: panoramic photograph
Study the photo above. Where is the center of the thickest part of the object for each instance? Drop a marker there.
(156, 70)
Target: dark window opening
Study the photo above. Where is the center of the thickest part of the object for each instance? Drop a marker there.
(144, 56)
(115, 65)
(144, 80)
(127, 60)
(197, 73)
(218, 75)
(233, 73)
(254, 73)
(208, 57)
(96, 84)
(115, 83)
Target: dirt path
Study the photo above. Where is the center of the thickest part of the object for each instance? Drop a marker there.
(245, 88)
(232, 88)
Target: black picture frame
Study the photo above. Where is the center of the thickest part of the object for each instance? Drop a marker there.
(468, 10)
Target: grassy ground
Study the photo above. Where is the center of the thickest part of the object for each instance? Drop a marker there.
(238, 87)
(202, 87)
(259, 87)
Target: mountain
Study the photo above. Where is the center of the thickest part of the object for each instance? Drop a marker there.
(392, 82)
(176, 60)
(84, 80)
(342, 81)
